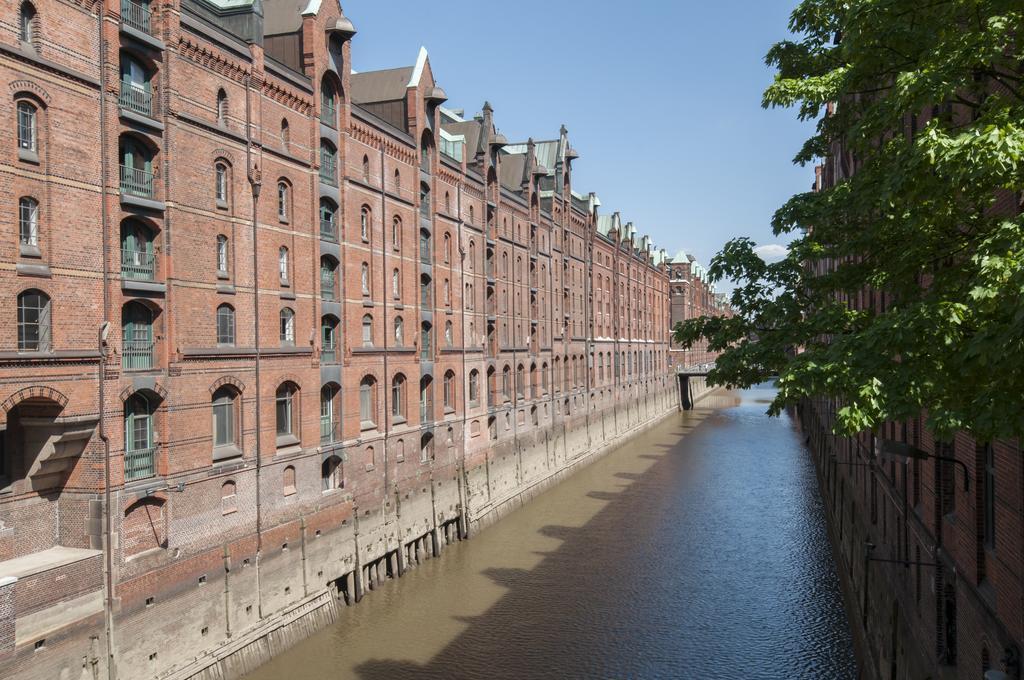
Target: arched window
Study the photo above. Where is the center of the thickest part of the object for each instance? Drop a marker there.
(474, 387)
(286, 413)
(27, 128)
(328, 338)
(367, 330)
(426, 341)
(398, 182)
(286, 136)
(367, 402)
(328, 278)
(364, 223)
(472, 256)
(222, 255)
(426, 399)
(221, 184)
(504, 265)
(449, 338)
(136, 93)
(222, 108)
(471, 214)
(396, 233)
(328, 220)
(447, 248)
(506, 383)
(288, 480)
(137, 337)
(282, 201)
(27, 26)
(330, 414)
(449, 391)
(225, 325)
(331, 476)
(139, 444)
(426, 447)
(225, 423)
(28, 222)
(328, 103)
(399, 331)
(396, 284)
(366, 168)
(424, 246)
(398, 396)
(520, 381)
(34, 322)
(447, 293)
(328, 163)
(282, 263)
(287, 326)
(426, 210)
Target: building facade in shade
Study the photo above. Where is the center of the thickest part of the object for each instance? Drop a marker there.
(691, 295)
(929, 550)
(274, 331)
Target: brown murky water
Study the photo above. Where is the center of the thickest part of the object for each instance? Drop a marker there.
(698, 550)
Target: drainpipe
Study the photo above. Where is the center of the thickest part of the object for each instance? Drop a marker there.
(108, 553)
(255, 182)
(463, 510)
(385, 386)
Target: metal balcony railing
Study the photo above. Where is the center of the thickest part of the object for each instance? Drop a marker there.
(329, 112)
(139, 464)
(328, 167)
(137, 15)
(137, 182)
(137, 355)
(328, 429)
(137, 265)
(327, 284)
(328, 231)
(328, 354)
(136, 99)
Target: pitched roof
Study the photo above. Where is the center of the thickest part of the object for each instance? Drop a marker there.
(279, 16)
(381, 86)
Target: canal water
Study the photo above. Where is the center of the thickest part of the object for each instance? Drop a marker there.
(698, 550)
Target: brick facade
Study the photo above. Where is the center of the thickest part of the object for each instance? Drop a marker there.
(225, 227)
(947, 603)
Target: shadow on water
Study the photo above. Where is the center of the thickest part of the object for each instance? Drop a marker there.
(696, 551)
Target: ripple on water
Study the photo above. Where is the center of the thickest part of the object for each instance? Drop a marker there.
(706, 557)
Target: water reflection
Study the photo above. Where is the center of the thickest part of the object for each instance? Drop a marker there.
(698, 551)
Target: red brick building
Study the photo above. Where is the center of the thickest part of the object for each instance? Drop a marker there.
(276, 331)
(930, 550)
(691, 295)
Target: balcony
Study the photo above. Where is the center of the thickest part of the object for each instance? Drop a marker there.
(328, 232)
(137, 355)
(328, 429)
(137, 15)
(136, 99)
(137, 265)
(137, 182)
(328, 355)
(139, 464)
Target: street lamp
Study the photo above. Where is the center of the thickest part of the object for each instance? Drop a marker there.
(902, 452)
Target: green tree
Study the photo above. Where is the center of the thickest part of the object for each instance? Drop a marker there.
(920, 119)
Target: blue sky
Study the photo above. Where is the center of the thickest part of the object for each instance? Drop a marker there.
(662, 98)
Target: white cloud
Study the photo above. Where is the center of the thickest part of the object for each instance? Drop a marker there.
(773, 252)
